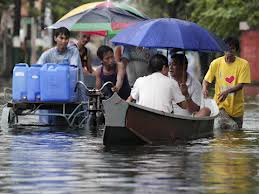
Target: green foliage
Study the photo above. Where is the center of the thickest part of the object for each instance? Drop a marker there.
(219, 16)
(61, 7)
(223, 16)
(4, 4)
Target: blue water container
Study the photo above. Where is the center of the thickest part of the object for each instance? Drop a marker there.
(19, 82)
(57, 81)
(73, 70)
(33, 83)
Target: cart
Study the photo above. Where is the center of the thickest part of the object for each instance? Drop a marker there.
(71, 114)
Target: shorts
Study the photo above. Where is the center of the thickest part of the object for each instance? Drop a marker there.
(224, 121)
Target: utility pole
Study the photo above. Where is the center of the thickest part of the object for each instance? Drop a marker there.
(17, 18)
(33, 35)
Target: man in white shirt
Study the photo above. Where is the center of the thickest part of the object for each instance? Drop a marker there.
(157, 91)
(190, 87)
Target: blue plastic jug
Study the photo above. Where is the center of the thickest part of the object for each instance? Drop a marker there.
(73, 70)
(19, 82)
(33, 83)
(57, 82)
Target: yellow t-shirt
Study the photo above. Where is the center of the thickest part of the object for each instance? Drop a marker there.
(228, 76)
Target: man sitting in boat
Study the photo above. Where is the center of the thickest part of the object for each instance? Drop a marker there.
(109, 70)
(190, 87)
(157, 91)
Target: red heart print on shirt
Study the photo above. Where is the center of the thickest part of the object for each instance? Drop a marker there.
(230, 79)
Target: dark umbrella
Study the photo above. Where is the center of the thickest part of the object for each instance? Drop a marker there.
(169, 33)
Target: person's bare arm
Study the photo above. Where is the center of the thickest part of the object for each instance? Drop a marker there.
(89, 63)
(118, 53)
(205, 86)
(98, 81)
(121, 71)
(190, 105)
(125, 61)
(130, 99)
(223, 95)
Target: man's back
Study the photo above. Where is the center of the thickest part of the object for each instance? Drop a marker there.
(156, 91)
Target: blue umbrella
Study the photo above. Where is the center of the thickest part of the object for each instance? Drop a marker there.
(169, 33)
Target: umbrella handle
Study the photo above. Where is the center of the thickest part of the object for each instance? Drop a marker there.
(184, 66)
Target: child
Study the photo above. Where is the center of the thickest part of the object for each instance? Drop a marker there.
(109, 70)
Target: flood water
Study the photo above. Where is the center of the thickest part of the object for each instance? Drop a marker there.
(45, 160)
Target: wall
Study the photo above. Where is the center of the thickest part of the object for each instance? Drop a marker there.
(249, 44)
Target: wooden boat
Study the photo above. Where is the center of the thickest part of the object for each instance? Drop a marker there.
(130, 124)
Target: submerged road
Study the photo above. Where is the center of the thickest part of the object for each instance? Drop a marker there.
(45, 160)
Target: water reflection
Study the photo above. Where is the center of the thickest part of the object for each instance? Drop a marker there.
(230, 166)
(38, 161)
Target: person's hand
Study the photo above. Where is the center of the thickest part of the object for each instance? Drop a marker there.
(223, 96)
(205, 92)
(85, 71)
(98, 92)
(184, 89)
(115, 89)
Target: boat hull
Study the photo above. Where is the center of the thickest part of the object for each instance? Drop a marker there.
(128, 123)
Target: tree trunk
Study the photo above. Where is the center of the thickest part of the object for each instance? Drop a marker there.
(17, 18)
(33, 41)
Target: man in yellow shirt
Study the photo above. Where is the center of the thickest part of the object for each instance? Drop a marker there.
(231, 73)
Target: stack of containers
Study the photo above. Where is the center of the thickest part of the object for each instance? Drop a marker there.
(45, 83)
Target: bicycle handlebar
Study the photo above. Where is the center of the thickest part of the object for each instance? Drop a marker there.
(94, 89)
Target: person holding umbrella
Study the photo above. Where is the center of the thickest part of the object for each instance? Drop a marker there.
(190, 87)
(232, 73)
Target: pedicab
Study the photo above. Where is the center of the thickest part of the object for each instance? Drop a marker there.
(55, 89)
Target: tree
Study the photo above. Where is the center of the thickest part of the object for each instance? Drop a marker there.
(223, 17)
(219, 16)
(61, 7)
(17, 18)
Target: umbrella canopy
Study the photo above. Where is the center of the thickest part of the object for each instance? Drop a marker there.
(101, 18)
(169, 33)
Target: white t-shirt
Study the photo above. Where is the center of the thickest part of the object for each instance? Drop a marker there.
(194, 90)
(157, 91)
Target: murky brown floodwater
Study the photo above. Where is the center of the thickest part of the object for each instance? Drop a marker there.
(44, 160)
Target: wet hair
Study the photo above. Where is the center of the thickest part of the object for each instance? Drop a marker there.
(180, 59)
(62, 31)
(232, 42)
(102, 50)
(157, 62)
